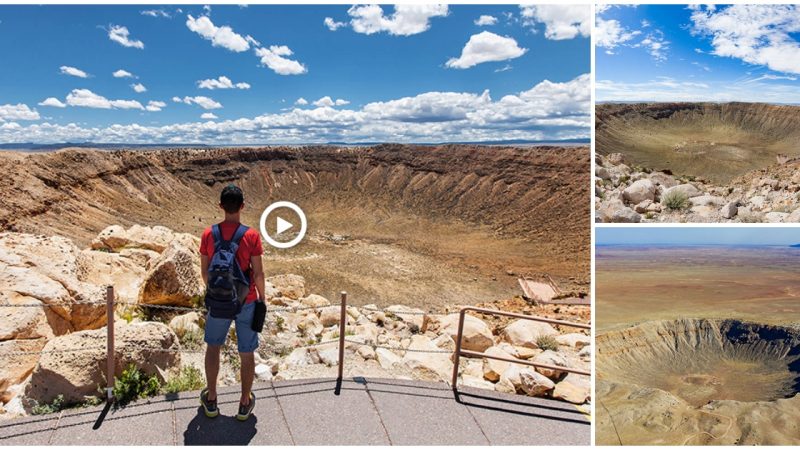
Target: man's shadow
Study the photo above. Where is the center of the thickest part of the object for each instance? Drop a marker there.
(221, 430)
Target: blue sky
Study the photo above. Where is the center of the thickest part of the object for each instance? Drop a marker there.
(745, 53)
(698, 236)
(293, 73)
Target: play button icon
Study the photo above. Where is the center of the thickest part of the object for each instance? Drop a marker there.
(286, 215)
(282, 225)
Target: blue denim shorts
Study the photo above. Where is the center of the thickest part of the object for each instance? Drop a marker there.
(247, 339)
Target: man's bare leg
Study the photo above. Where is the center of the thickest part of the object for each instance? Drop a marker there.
(248, 373)
(212, 370)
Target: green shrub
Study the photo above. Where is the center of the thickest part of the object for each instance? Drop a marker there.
(280, 322)
(129, 313)
(57, 405)
(134, 384)
(676, 200)
(546, 342)
(188, 379)
(191, 340)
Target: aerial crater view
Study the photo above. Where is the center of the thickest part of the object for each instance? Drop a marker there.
(698, 336)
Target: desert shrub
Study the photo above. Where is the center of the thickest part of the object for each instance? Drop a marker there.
(191, 339)
(188, 379)
(129, 313)
(56, 405)
(546, 342)
(649, 215)
(134, 384)
(280, 322)
(749, 218)
(675, 200)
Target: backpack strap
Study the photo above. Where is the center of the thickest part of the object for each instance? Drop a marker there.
(239, 234)
(216, 233)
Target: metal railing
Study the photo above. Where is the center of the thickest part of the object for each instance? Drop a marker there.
(469, 353)
(341, 340)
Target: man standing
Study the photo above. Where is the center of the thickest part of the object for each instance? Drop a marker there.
(248, 258)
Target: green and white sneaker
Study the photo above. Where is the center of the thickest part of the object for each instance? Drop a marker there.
(210, 407)
(245, 411)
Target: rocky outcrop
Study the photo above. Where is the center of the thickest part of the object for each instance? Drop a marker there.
(175, 277)
(44, 269)
(77, 374)
(525, 333)
(116, 238)
(476, 334)
(623, 194)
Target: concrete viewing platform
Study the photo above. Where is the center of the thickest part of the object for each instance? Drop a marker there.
(366, 411)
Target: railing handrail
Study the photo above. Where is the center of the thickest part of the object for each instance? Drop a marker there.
(460, 335)
(526, 317)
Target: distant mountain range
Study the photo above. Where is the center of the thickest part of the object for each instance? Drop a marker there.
(795, 246)
(30, 146)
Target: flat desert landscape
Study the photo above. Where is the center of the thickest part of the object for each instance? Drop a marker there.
(638, 284)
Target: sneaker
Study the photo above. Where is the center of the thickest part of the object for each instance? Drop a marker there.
(245, 411)
(210, 407)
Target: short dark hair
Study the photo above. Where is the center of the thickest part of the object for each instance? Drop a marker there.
(231, 199)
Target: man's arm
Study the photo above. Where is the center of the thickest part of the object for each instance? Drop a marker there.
(258, 275)
(204, 268)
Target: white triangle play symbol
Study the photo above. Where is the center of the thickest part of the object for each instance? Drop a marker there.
(283, 225)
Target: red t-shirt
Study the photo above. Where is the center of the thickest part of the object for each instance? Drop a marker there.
(250, 245)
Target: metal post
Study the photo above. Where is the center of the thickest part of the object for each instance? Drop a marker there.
(457, 358)
(110, 343)
(342, 331)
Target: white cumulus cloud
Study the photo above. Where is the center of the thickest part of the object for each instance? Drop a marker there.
(73, 71)
(208, 116)
(560, 21)
(222, 82)
(121, 35)
(327, 101)
(549, 110)
(486, 47)
(274, 58)
(139, 88)
(332, 24)
(201, 101)
(156, 13)
(486, 20)
(406, 20)
(155, 106)
(609, 34)
(52, 101)
(765, 35)
(223, 36)
(301, 101)
(122, 74)
(20, 111)
(88, 99)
